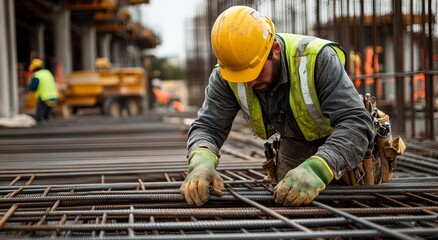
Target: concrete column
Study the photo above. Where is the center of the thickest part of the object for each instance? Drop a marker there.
(40, 41)
(105, 45)
(12, 53)
(129, 55)
(9, 106)
(4, 83)
(133, 54)
(389, 85)
(124, 52)
(115, 53)
(37, 42)
(88, 48)
(63, 46)
(136, 57)
(120, 53)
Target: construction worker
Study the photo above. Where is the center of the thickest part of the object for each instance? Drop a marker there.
(289, 84)
(44, 85)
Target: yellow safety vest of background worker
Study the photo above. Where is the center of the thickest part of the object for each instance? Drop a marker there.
(46, 92)
(302, 92)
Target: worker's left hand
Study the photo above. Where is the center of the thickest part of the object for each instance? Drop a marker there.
(302, 184)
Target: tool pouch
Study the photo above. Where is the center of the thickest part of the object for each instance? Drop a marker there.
(380, 159)
(388, 151)
(50, 103)
(387, 148)
(269, 166)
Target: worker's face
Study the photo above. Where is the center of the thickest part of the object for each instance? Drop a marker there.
(269, 74)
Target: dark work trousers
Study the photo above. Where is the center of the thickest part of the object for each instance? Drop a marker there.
(43, 111)
(292, 153)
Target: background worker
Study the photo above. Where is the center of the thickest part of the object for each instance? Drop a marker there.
(290, 84)
(44, 85)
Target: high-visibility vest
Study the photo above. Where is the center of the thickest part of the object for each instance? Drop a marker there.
(46, 86)
(301, 53)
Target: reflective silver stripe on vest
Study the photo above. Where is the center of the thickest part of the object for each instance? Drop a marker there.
(302, 44)
(243, 99)
(305, 91)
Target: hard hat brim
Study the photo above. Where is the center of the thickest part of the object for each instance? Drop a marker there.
(240, 76)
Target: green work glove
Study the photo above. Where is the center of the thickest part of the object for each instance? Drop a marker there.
(202, 172)
(303, 183)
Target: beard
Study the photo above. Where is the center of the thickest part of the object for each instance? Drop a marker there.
(275, 72)
(267, 87)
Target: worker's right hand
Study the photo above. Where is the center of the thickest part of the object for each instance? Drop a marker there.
(202, 172)
(303, 184)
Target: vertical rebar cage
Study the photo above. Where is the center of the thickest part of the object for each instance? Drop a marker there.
(390, 45)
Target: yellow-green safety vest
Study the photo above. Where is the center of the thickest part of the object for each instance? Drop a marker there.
(46, 86)
(301, 52)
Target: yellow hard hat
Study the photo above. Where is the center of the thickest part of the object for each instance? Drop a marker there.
(102, 64)
(242, 39)
(36, 63)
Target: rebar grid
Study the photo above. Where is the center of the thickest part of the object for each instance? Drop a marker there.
(132, 192)
(156, 209)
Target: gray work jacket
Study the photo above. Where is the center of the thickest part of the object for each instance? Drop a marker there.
(339, 100)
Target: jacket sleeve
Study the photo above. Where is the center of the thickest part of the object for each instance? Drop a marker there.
(341, 103)
(215, 117)
(34, 84)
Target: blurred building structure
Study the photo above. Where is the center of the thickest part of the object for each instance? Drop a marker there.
(68, 35)
(391, 47)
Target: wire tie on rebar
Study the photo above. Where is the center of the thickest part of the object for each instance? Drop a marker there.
(141, 184)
